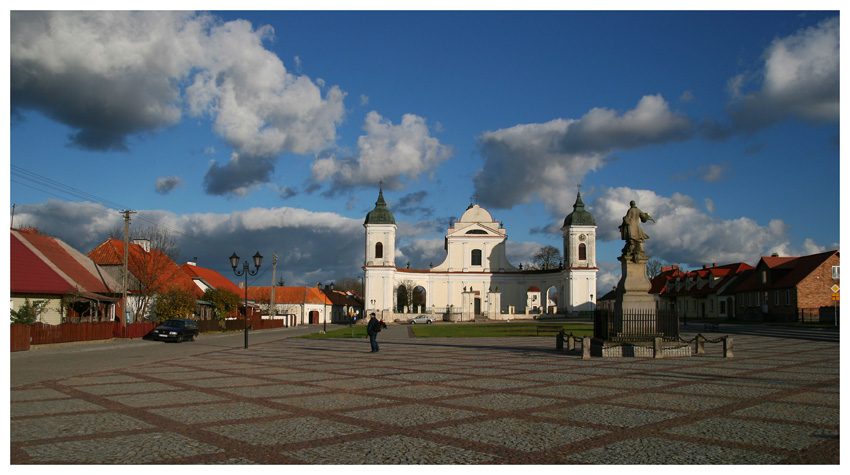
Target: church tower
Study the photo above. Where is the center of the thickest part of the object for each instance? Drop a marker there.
(579, 233)
(379, 265)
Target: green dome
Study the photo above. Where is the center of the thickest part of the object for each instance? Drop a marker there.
(579, 216)
(380, 215)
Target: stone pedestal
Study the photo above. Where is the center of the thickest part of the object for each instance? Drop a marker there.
(634, 302)
(633, 288)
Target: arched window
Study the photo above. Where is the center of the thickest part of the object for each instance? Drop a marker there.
(476, 257)
(379, 251)
(582, 252)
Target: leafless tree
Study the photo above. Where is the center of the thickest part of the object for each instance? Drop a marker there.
(653, 268)
(548, 257)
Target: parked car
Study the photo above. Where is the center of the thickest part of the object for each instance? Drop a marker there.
(175, 329)
(420, 319)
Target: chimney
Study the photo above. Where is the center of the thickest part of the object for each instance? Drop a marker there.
(145, 243)
(705, 266)
(714, 264)
(775, 254)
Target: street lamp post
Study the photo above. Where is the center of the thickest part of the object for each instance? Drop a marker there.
(234, 261)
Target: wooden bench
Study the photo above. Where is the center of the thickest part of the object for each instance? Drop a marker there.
(549, 328)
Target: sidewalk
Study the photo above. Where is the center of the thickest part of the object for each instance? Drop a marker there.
(440, 401)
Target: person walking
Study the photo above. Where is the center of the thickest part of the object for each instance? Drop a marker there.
(372, 330)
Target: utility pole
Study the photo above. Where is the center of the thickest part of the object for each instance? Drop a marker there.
(126, 213)
(272, 303)
(13, 216)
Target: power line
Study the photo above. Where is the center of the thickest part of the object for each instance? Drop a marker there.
(39, 180)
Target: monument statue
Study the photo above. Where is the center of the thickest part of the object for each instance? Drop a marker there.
(633, 234)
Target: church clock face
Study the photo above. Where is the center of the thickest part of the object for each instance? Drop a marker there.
(582, 237)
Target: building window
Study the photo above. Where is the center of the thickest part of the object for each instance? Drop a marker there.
(476, 257)
(723, 307)
(711, 305)
(582, 252)
(787, 297)
(379, 251)
(764, 277)
(776, 297)
(835, 272)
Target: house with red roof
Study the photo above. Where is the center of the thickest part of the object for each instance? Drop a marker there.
(310, 305)
(150, 273)
(74, 286)
(790, 288)
(700, 293)
(209, 279)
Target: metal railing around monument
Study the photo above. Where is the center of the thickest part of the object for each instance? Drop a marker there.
(635, 325)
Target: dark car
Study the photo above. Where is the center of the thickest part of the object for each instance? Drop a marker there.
(175, 329)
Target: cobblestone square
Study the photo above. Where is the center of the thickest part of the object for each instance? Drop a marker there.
(439, 401)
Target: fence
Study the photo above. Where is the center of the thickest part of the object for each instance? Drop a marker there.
(23, 336)
(635, 325)
(256, 323)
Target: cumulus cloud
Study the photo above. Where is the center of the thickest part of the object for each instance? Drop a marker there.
(166, 185)
(800, 79)
(544, 160)
(302, 239)
(115, 75)
(685, 234)
(388, 152)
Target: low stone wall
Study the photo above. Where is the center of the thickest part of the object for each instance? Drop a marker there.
(607, 349)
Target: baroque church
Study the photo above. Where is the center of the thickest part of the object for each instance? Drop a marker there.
(476, 280)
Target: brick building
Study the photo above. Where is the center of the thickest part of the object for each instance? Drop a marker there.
(789, 288)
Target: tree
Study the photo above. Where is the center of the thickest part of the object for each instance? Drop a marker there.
(281, 282)
(653, 268)
(176, 302)
(224, 301)
(548, 257)
(28, 313)
(409, 294)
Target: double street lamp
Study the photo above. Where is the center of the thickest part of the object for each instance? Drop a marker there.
(234, 261)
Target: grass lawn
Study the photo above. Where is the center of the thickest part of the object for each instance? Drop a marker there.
(468, 330)
(358, 331)
(499, 330)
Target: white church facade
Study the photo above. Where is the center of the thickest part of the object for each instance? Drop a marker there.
(476, 280)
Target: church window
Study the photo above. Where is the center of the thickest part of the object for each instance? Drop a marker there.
(379, 251)
(582, 252)
(477, 231)
(476, 257)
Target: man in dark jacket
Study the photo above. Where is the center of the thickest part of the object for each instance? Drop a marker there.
(372, 330)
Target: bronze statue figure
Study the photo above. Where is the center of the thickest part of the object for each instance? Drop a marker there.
(632, 233)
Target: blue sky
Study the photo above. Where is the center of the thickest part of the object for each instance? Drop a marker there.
(270, 130)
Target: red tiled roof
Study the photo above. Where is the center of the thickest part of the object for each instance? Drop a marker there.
(154, 267)
(785, 272)
(211, 277)
(45, 264)
(301, 295)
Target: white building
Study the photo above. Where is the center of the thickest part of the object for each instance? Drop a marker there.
(476, 278)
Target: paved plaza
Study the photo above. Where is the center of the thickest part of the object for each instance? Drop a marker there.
(440, 401)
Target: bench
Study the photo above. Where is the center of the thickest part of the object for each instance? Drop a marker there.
(549, 328)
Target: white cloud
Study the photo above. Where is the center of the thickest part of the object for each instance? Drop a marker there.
(386, 152)
(304, 240)
(800, 79)
(685, 234)
(114, 75)
(544, 160)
